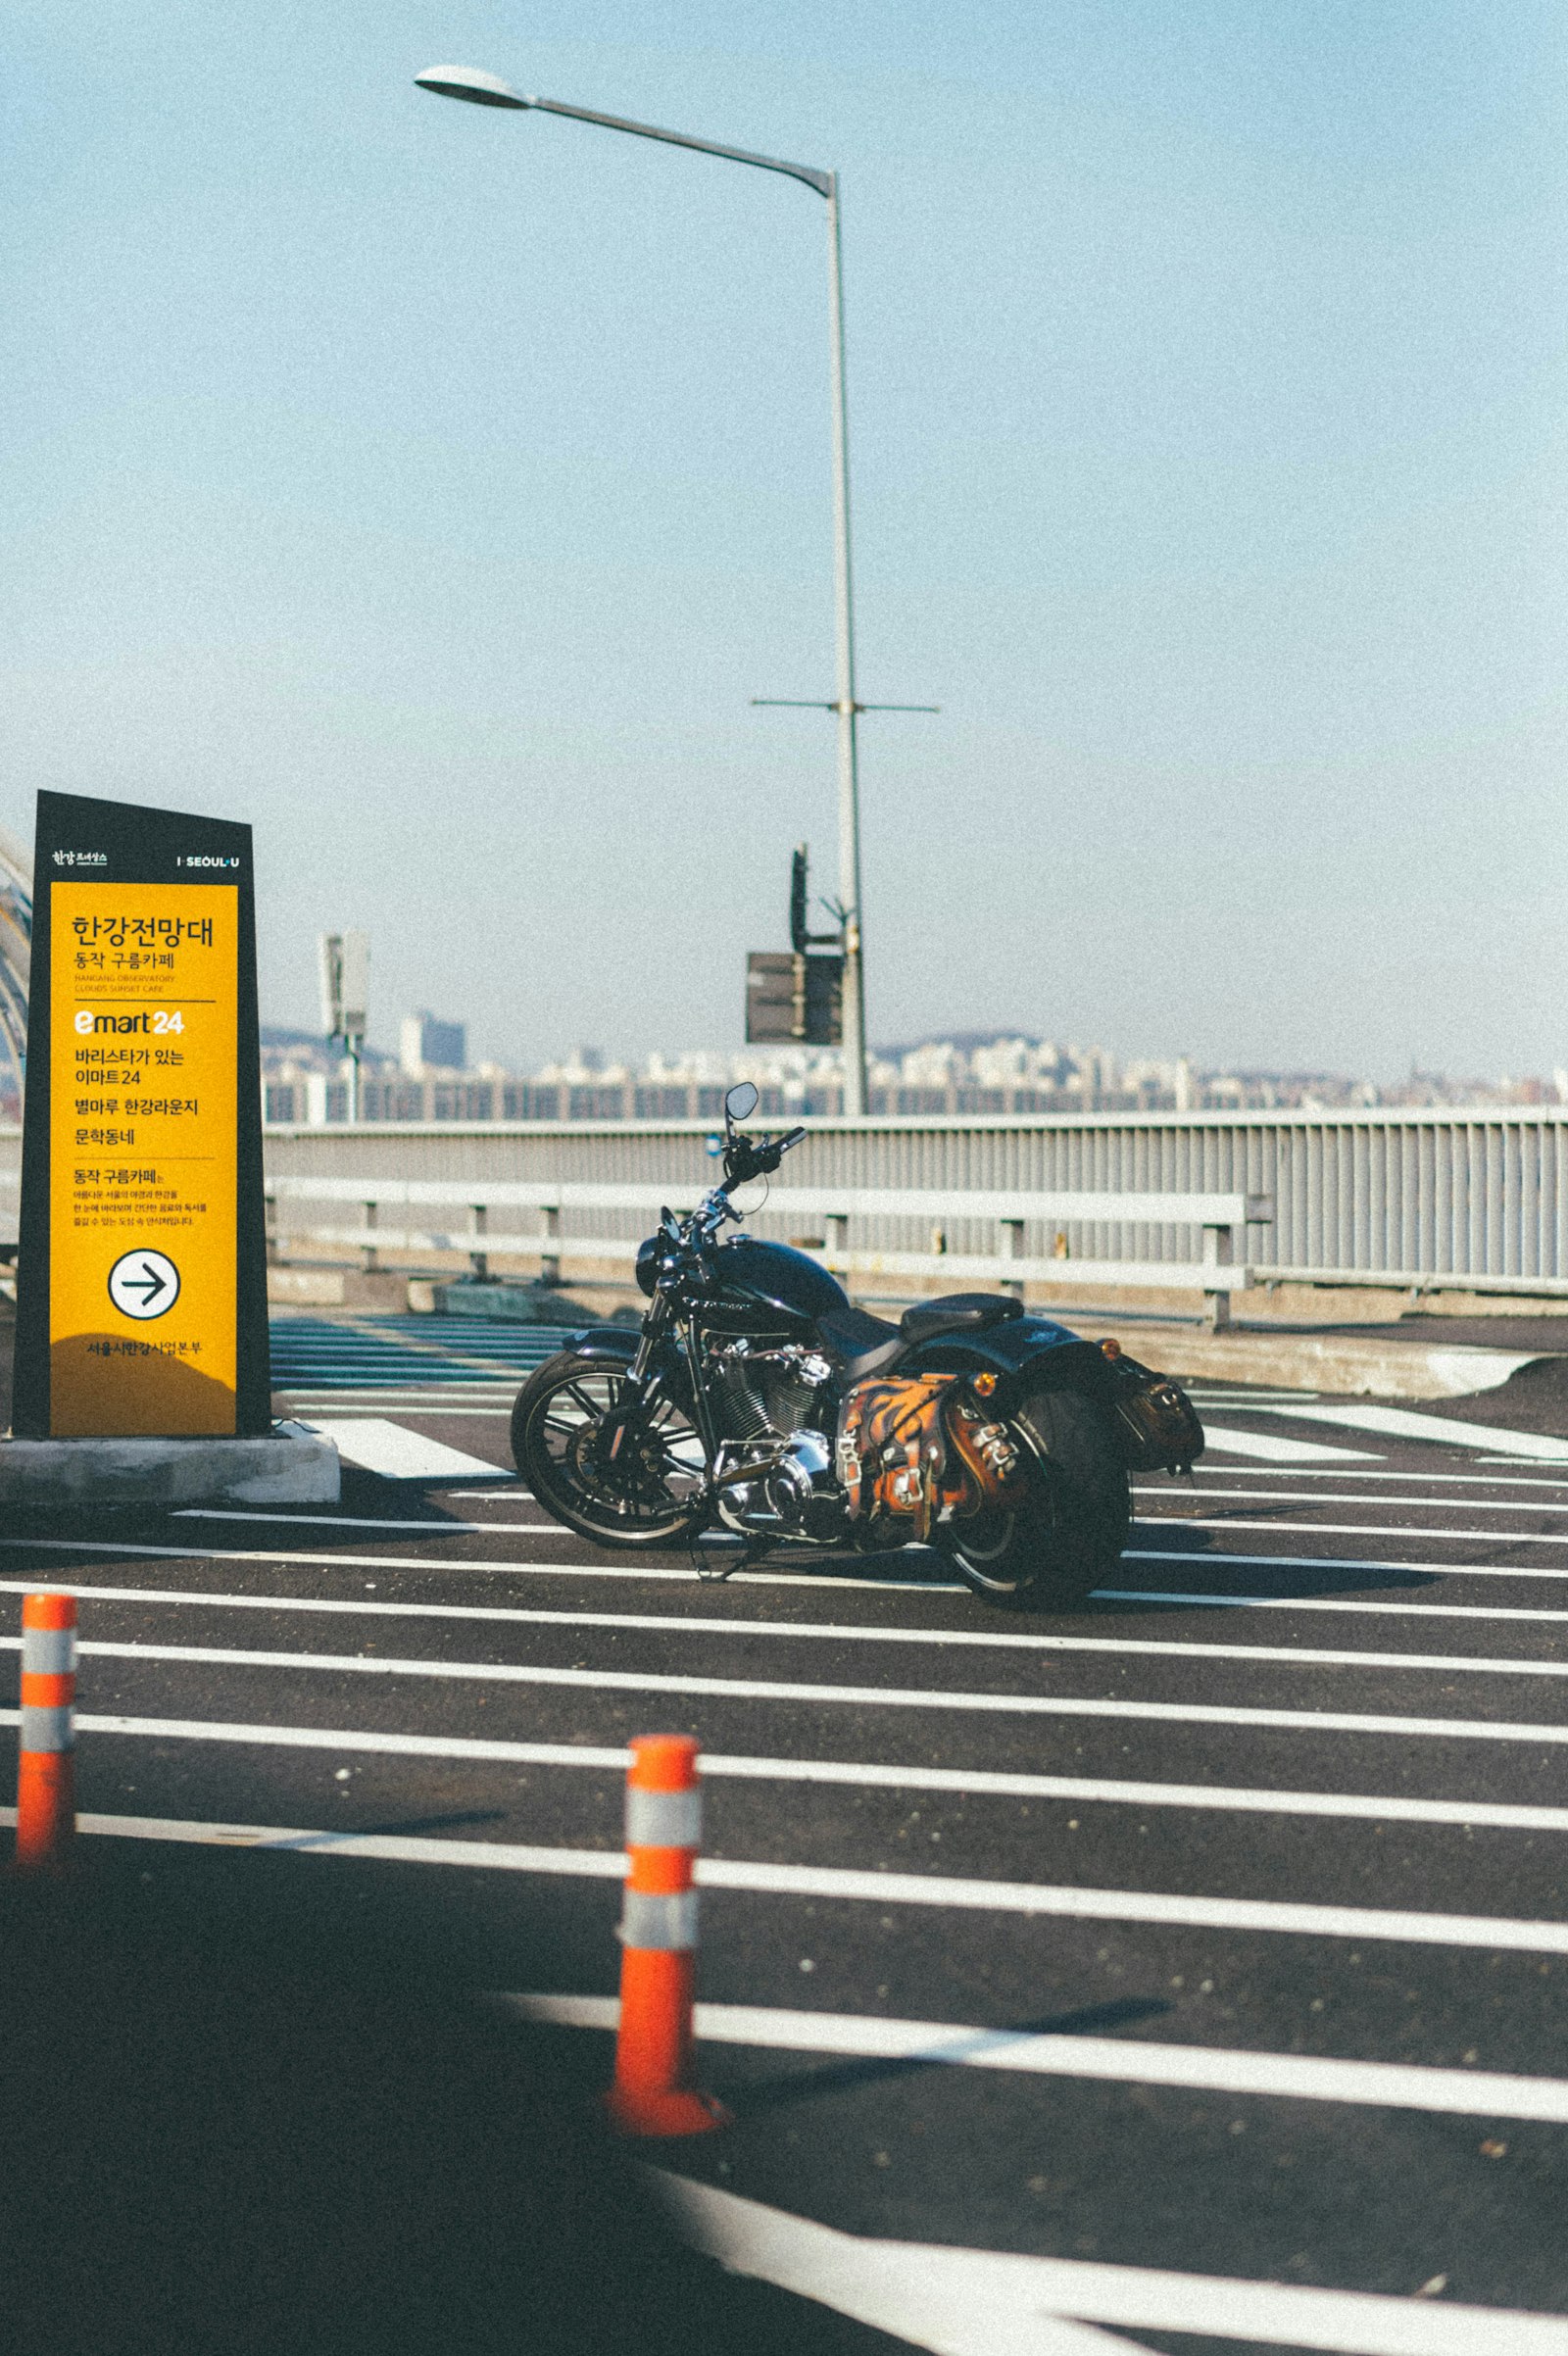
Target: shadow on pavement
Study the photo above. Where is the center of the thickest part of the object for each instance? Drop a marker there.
(808, 2085)
(232, 2124)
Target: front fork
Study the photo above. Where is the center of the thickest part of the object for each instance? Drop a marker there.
(655, 1326)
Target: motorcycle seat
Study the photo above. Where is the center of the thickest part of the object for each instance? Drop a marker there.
(862, 1344)
(958, 1313)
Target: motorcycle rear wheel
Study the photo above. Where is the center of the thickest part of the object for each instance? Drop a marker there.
(1056, 1547)
(647, 1491)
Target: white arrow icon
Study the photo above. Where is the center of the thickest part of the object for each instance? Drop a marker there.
(144, 1284)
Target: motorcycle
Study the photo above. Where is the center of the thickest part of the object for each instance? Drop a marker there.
(756, 1400)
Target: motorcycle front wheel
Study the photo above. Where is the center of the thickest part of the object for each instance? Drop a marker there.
(1067, 1534)
(600, 1461)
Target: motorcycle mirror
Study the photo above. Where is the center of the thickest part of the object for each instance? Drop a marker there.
(741, 1100)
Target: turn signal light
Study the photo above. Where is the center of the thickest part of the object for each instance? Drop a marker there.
(1111, 1350)
(983, 1385)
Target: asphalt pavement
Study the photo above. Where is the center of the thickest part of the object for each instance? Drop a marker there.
(1185, 1966)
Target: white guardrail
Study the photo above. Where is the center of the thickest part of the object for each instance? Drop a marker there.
(1222, 1218)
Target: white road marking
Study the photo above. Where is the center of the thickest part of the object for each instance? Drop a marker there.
(1466, 2093)
(970, 1783)
(426, 1414)
(350, 1521)
(744, 1689)
(1404, 1423)
(1310, 1496)
(1448, 1664)
(833, 1581)
(1273, 1915)
(1533, 1484)
(459, 1562)
(1224, 1521)
(967, 2302)
(1356, 1605)
(1216, 1560)
(382, 1446)
(1275, 1449)
(995, 1639)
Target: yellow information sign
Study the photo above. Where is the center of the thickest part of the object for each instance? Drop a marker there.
(141, 1298)
(143, 1150)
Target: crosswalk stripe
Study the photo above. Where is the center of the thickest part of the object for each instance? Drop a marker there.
(1271, 1916)
(1299, 2077)
(966, 1782)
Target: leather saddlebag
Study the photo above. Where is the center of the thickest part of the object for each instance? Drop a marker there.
(1155, 1421)
(914, 1446)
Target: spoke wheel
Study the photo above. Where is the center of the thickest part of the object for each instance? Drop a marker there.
(600, 1462)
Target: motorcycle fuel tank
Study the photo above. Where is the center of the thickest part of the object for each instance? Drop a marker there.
(755, 1275)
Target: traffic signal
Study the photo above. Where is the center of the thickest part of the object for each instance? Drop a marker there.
(797, 996)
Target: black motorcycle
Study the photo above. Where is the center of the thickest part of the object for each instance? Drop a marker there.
(757, 1400)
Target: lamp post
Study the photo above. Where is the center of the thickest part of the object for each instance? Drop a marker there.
(486, 89)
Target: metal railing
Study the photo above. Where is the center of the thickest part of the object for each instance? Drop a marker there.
(1418, 1200)
(1221, 1218)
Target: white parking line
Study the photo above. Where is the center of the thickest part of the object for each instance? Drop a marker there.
(1357, 1605)
(459, 1562)
(1217, 1559)
(1309, 1497)
(833, 1581)
(1270, 1916)
(1129, 2061)
(965, 1782)
(1123, 1648)
(1224, 1521)
(993, 1638)
(968, 2302)
(897, 1698)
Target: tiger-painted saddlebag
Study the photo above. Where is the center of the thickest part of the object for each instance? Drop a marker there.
(915, 1446)
(1157, 1423)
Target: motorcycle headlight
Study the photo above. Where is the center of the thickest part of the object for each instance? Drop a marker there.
(647, 1266)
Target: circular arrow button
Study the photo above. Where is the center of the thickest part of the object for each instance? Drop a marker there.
(143, 1284)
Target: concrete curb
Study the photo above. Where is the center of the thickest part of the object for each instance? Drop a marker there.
(286, 1466)
(1340, 1361)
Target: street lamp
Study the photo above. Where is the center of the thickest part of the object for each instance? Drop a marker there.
(488, 90)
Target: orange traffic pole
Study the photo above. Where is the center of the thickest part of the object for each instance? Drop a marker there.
(46, 1797)
(653, 2093)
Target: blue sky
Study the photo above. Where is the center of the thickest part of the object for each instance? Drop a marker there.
(435, 487)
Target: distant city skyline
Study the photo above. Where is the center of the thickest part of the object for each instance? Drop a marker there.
(1002, 1071)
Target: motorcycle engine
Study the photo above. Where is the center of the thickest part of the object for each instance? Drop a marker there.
(775, 1407)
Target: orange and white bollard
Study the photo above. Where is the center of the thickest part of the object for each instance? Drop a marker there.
(46, 1795)
(653, 2093)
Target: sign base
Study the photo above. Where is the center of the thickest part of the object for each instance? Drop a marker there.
(286, 1466)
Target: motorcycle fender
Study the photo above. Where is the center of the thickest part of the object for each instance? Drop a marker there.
(618, 1345)
(1026, 1351)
